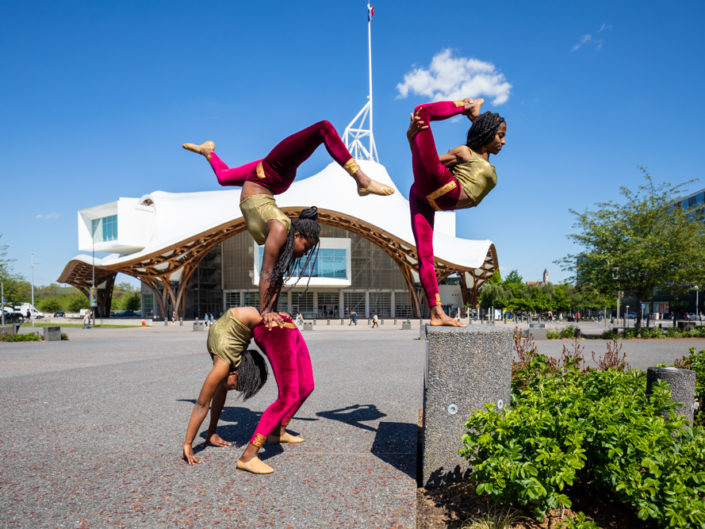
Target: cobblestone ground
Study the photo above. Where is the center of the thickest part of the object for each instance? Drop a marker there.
(93, 428)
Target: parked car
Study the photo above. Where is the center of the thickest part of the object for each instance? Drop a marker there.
(631, 315)
(59, 314)
(691, 316)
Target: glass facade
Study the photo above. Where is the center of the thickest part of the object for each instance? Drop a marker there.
(104, 229)
(225, 278)
(330, 263)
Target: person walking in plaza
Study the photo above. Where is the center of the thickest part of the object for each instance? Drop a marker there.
(272, 175)
(375, 321)
(459, 179)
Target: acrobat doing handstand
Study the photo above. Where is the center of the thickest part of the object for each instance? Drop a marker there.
(272, 175)
(459, 179)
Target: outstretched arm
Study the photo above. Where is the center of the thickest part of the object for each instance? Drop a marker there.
(217, 376)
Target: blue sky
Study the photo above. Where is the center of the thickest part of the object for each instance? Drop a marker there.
(97, 97)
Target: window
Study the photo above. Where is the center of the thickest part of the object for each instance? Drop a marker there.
(331, 263)
(104, 229)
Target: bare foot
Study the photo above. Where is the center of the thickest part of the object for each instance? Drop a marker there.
(204, 148)
(255, 465)
(367, 186)
(216, 440)
(472, 107)
(441, 319)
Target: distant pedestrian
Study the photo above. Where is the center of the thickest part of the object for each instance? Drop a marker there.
(353, 319)
(212, 319)
(87, 320)
(375, 321)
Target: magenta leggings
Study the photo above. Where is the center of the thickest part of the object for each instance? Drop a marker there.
(291, 364)
(280, 165)
(430, 177)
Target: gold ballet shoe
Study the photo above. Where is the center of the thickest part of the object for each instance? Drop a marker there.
(375, 188)
(286, 437)
(255, 465)
(204, 148)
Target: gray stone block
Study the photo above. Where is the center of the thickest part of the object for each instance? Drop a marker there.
(308, 326)
(537, 326)
(465, 369)
(406, 325)
(52, 334)
(682, 382)
(538, 333)
(198, 326)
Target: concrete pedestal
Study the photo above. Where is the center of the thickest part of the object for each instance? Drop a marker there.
(198, 326)
(465, 368)
(682, 382)
(308, 326)
(52, 334)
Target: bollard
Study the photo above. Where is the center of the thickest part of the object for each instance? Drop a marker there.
(328, 321)
(465, 368)
(682, 382)
(406, 325)
(52, 334)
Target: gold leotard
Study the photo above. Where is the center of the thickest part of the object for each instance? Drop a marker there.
(477, 177)
(258, 210)
(228, 338)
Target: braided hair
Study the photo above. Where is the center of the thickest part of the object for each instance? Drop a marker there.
(286, 266)
(251, 373)
(483, 129)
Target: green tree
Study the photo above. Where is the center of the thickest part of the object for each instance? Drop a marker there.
(49, 305)
(78, 301)
(133, 302)
(643, 243)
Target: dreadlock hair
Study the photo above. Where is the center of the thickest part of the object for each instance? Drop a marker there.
(483, 129)
(286, 266)
(251, 373)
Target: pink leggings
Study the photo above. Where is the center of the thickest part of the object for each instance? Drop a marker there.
(278, 168)
(434, 188)
(291, 364)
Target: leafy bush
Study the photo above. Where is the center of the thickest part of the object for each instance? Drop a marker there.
(28, 337)
(566, 332)
(579, 522)
(567, 423)
(64, 337)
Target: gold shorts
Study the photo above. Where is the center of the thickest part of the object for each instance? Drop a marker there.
(257, 211)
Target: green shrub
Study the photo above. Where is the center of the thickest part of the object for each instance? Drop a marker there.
(566, 332)
(64, 336)
(567, 423)
(28, 337)
(578, 522)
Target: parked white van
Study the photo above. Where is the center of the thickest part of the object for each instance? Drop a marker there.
(33, 312)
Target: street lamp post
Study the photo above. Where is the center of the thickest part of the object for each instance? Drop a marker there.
(626, 317)
(697, 311)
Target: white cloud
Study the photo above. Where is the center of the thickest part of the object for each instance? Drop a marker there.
(47, 216)
(454, 78)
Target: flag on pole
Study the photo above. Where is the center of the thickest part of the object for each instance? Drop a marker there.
(370, 12)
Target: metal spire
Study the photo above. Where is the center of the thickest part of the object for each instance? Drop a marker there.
(361, 125)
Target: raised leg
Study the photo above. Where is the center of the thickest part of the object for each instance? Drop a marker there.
(292, 151)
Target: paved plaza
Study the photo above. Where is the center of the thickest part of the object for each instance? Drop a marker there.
(93, 428)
